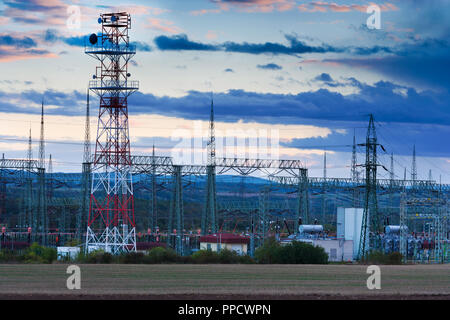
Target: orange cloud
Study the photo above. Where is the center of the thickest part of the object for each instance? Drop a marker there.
(320, 6)
(162, 25)
(251, 6)
(204, 11)
(9, 54)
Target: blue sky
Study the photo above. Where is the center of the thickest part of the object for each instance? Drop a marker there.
(311, 69)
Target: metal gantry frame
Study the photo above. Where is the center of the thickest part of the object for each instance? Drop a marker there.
(433, 214)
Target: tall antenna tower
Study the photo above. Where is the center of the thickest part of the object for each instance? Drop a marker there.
(354, 160)
(112, 202)
(209, 218)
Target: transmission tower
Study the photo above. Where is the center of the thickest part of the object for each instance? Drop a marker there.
(370, 226)
(414, 165)
(154, 204)
(112, 202)
(210, 219)
(31, 215)
(323, 189)
(50, 178)
(42, 203)
(392, 190)
(354, 160)
(41, 140)
(2, 189)
(391, 172)
(86, 175)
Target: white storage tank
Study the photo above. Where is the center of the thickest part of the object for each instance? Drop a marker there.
(392, 229)
(310, 228)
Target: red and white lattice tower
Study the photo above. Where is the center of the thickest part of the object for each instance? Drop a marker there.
(111, 222)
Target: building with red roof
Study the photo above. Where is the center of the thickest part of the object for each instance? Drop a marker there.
(229, 241)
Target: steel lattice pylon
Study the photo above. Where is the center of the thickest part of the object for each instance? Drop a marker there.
(370, 227)
(111, 222)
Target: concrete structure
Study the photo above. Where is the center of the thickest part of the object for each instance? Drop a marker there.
(349, 222)
(67, 253)
(218, 241)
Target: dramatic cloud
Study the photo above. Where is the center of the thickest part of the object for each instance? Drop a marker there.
(36, 12)
(321, 6)
(423, 63)
(269, 66)
(294, 47)
(256, 5)
(387, 101)
(181, 42)
(52, 36)
(25, 42)
(14, 48)
(324, 77)
(162, 25)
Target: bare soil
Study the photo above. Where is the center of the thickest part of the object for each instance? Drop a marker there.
(222, 282)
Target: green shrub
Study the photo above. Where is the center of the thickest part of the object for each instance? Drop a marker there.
(97, 256)
(184, 259)
(301, 253)
(292, 253)
(161, 255)
(246, 260)
(205, 256)
(395, 258)
(378, 257)
(132, 258)
(267, 252)
(39, 254)
(228, 256)
(8, 255)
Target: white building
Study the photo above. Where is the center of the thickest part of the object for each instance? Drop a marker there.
(220, 241)
(67, 253)
(349, 221)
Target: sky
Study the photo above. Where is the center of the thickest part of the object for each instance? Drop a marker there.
(307, 73)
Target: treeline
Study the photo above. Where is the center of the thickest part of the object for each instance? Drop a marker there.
(270, 252)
